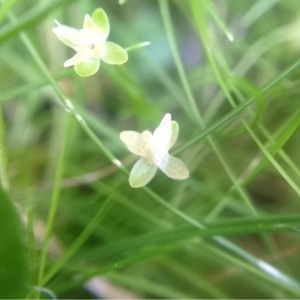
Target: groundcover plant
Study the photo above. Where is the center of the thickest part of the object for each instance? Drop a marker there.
(150, 149)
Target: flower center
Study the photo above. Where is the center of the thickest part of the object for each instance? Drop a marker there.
(156, 151)
(92, 44)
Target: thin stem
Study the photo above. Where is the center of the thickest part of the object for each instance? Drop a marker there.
(4, 178)
(233, 113)
(209, 52)
(255, 266)
(194, 111)
(67, 104)
(78, 242)
(193, 106)
(54, 204)
(137, 46)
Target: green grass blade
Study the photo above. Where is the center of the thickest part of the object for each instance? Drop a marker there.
(14, 266)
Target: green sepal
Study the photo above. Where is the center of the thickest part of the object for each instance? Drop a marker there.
(100, 18)
(115, 54)
(174, 136)
(87, 68)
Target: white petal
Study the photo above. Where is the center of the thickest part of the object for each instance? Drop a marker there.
(174, 167)
(75, 60)
(162, 134)
(88, 23)
(68, 35)
(136, 142)
(71, 62)
(141, 173)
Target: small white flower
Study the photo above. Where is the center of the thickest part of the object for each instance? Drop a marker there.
(91, 44)
(154, 151)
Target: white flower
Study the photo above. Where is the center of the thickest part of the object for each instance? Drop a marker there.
(91, 44)
(154, 151)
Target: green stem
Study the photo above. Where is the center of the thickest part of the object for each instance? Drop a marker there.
(67, 104)
(196, 7)
(69, 108)
(254, 266)
(30, 18)
(194, 111)
(233, 113)
(137, 46)
(193, 106)
(4, 178)
(54, 204)
(78, 242)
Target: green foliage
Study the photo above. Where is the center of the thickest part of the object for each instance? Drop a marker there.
(228, 73)
(13, 273)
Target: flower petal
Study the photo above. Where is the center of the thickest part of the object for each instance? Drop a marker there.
(174, 167)
(68, 35)
(76, 60)
(163, 133)
(102, 22)
(135, 142)
(89, 24)
(87, 68)
(174, 136)
(141, 173)
(115, 54)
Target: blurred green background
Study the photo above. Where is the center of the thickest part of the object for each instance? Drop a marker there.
(228, 72)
